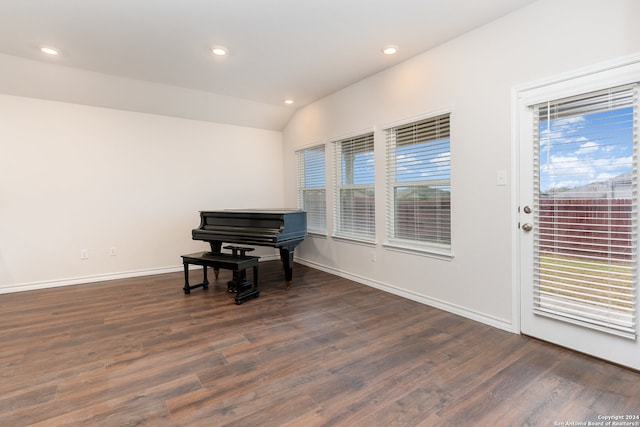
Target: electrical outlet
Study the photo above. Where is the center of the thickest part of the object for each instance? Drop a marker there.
(84, 253)
(113, 251)
(501, 177)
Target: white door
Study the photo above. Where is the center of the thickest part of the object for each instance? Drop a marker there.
(578, 217)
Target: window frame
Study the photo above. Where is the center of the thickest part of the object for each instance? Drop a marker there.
(315, 215)
(364, 143)
(579, 211)
(414, 246)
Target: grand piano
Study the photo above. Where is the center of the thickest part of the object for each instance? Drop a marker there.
(278, 228)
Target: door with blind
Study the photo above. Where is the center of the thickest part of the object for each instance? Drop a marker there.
(578, 221)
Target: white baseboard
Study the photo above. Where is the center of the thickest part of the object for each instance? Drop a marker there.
(423, 299)
(20, 287)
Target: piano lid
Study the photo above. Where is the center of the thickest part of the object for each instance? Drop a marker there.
(267, 211)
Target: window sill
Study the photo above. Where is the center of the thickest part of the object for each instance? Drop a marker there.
(356, 240)
(433, 251)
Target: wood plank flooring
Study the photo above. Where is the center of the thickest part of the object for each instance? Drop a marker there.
(328, 352)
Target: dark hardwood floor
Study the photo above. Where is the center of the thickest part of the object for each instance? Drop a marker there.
(328, 352)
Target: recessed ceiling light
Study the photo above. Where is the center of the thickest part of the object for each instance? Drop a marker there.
(49, 50)
(390, 50)
(288, 101)
(219, 51)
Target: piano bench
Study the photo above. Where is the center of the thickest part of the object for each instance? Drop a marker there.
(244, 288)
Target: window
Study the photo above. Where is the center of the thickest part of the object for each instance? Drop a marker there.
(312, 187)
(419, 184)
(354, 194)
(585, 191)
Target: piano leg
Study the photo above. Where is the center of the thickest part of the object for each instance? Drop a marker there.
(286, 256)
(216, 247)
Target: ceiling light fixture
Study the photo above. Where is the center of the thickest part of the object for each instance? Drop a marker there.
(219, 51)
(49, 50)
(390, 50)
(288, 101)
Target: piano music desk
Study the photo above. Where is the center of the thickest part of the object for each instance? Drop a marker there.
(238, 263)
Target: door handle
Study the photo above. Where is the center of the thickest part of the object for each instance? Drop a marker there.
(527, 209)
(527, 227)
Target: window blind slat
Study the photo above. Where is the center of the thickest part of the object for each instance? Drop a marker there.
(354, 204)
(418, 177)
(311, 183)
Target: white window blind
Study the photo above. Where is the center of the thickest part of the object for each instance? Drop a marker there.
(311, 171)
(585, 269)
(419, 182)
(355, 194)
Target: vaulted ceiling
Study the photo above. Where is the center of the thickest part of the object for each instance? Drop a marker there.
(301, 50)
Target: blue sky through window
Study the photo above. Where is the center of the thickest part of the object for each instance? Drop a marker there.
(581, 150)
(414, 162)
(363, 168)
(429, 160)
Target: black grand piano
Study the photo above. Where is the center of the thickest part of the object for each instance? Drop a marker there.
(278, 228)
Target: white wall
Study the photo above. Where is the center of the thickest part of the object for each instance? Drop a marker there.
(78, 177)
(473, 75)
